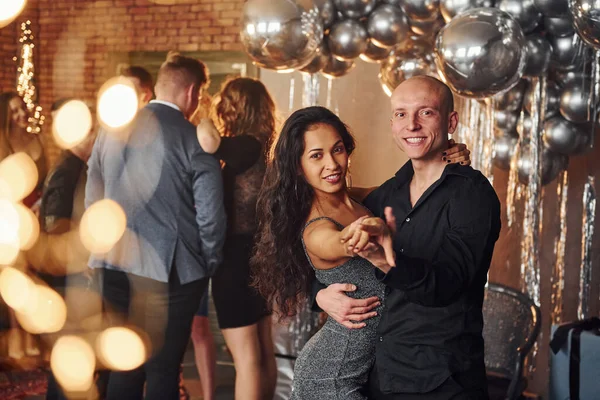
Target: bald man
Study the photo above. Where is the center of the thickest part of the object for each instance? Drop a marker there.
(446, 220)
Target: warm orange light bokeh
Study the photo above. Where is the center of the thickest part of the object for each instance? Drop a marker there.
(102, 225)
(72, 124)
(121, 349)
(9, 10)
(117, 103)
(18, 177)
(73, 363)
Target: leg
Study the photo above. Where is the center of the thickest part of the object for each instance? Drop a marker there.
(245, 348)
(268, 364)
(205, 354)
(162, 370)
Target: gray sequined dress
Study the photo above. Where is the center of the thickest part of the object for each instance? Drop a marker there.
(336, 361)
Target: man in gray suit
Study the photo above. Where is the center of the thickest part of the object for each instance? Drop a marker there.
(172, 194)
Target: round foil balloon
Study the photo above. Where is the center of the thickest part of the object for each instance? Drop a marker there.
(328, 12)
(404, 64)
(564, 137)
(575, 102)
(564, 77)
(559, 27)
(451, 8)
(552, 164)
(387, 26)
(586, 18)
(355, 9)
(281, 34)
(427, 29)
(374, 54)
(421, 10)
(336, 68)
(512, 99)
(347, 39)
(397, 3)
(506, 120)
(524, 11)
(539, 52)
(552, 99)
(481, 52)
(319, 61)
(567, 52)
(504, 149)
(552, 8)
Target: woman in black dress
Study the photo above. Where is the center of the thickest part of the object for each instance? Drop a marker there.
(245, 115)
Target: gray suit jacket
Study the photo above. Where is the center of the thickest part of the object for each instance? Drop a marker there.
(171, 192)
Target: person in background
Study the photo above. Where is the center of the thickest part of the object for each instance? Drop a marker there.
(14, 138)
(245, 114)
(142, 80)
(171, 192)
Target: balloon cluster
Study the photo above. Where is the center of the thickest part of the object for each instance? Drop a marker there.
(482, 49)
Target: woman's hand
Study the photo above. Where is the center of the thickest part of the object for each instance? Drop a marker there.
(363, 234)
(457, 153)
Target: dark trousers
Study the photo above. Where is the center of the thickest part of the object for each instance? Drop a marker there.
(163, 313)
(449, 390)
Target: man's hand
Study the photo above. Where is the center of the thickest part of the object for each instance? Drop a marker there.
(347, 311)
(370, 230)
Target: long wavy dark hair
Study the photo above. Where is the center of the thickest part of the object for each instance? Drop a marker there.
(281, 271)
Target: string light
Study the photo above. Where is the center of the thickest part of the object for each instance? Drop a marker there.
(25, 82)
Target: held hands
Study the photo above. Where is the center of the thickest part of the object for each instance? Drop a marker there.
(371, 238)
(457, 153)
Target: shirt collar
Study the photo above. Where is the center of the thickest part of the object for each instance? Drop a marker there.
(166, 103)
(406, 173)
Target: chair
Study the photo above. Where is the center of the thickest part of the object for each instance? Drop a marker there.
(511, 326)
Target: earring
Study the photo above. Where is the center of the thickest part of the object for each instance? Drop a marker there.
(349, 179)
(296, 189)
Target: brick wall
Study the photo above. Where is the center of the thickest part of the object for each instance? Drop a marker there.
(76, 39)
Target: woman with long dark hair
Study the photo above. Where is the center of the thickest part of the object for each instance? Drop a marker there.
(244, 113)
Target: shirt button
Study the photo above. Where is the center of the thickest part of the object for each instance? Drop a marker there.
(408, 219)
(381, 338)
(401, 250)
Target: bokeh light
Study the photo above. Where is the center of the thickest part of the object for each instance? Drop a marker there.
(72, 124)
(73, 363)
(102, 225)
(121, 349)
(18, 177)
(9, 232)
(9, 10)
(17, 289)
(117, 103)
(29, 227)
(44, 312)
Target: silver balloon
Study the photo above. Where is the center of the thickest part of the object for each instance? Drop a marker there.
(374, 54)
(355, 9)
(397, 3)
(319, 61)
(567, 52)
(559, 27)
(586, 18)
(574, 102)
(564, 77)
(552, 99)
(451, 8)
(552, 8)
(336, 68)
(347, 39)
(281, 34)
(427, 29)
(506, 120)
(403, 64)
(481, 52)
(539, 52)
(564, 137)
(552, 165)
(524, 11)
(328, 12)
(504, 149)
(421, 10)
(512, 99)
(387, 26)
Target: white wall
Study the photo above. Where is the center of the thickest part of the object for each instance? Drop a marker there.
(361, 104)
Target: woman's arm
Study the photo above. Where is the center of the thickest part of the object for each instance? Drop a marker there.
(208, 136)
(323, 240)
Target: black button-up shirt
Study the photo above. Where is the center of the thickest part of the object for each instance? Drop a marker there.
(431, 327)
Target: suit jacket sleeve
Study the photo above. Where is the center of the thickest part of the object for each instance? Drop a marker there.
(94, 188)
(210, 210)
(475, 226)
